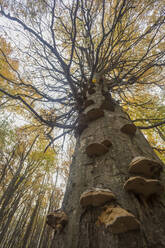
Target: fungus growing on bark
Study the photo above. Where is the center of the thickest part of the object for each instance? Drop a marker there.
(96, 149)
(129, 129)
(107, 143)
(94, 114)
(82, 124)
(118, 220)
(91, 91)
(145, 166)
(57, 220)
(142, 186)
(96, 197)
(88, 103)
(80, 128)
(107, 105)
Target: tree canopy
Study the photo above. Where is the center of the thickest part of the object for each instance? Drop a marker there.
(64, 46)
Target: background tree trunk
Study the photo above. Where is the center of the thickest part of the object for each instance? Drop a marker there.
(9, 218)
(109, 171)
(29, 228)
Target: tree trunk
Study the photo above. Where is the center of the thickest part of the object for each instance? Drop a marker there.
(106, 225)
(9, 218)
(29, 228)
(17, 228)
(46, 234)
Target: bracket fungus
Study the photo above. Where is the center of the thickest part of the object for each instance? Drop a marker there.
(91, 91)
(96, 197)
(96, 149)
(129, 129)
(145, 166)
(94, 114)
(80, 128)
(107, 105)
(142, 186)
(82, 124)
(88, 103)
(57, 220)
(118, 220)
(107, 143)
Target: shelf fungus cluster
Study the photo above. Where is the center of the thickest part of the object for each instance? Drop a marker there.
(96, 197)
(89, 115)
(115, 218)
(98, 149)
(145, 183)
(93, 107)
(118, 220)
(57, 220)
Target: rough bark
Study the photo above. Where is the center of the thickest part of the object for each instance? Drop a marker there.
(109, 171)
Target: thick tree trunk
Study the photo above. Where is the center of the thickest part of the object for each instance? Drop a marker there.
(97, 226)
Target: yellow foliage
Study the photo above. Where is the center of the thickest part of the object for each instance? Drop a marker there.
(6, 62)
(94, 80)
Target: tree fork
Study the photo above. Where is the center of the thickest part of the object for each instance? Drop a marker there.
(104, 152)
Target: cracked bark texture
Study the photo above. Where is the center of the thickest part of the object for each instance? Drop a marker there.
(109, 171)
